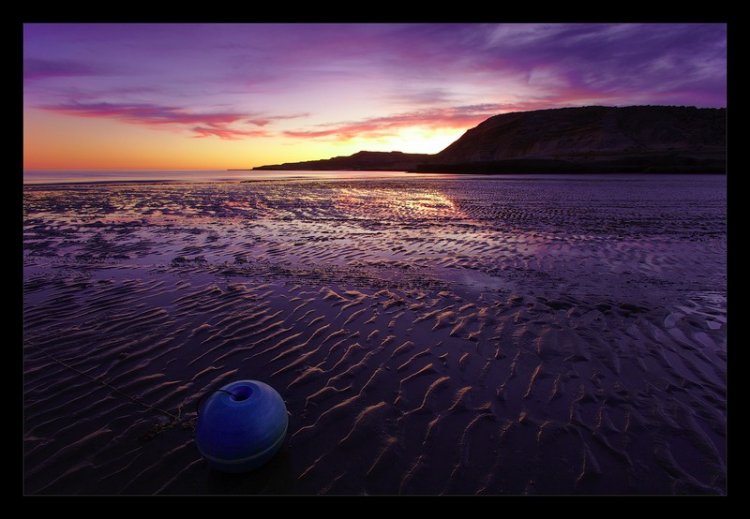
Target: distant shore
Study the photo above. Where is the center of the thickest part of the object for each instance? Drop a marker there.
(706, 162)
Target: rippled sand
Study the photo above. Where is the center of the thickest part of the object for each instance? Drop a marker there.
(491, 335)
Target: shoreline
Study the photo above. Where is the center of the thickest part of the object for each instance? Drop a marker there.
(433, 174)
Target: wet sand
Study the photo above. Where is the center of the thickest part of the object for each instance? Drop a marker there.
(491, 336)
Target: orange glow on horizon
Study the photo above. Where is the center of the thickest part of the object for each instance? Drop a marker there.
(62, 142)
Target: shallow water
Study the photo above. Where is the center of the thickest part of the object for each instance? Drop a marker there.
(430, 334)
(77, 177)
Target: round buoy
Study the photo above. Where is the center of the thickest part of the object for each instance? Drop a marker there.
(241, 426)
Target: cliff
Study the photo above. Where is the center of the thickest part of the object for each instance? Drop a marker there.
(590, 139)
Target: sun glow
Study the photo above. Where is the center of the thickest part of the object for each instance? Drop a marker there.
(415, 139)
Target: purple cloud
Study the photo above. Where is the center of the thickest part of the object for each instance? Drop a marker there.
(627, 60)
(430, 96)
(42, 69)
(624, 63)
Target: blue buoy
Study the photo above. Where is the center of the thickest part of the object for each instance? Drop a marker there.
(241, 426)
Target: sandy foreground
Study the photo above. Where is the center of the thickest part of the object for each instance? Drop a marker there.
(491, 335)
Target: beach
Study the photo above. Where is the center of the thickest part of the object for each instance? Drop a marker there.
(429, 334)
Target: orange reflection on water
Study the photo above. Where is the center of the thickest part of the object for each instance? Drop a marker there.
(396, 203)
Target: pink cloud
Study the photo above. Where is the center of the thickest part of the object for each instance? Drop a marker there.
(452, 117)
(265, 120)
(144, 113)
(208, 123)
(227, 133)
(455, 117)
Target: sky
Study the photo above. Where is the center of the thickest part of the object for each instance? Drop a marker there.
(217, 96)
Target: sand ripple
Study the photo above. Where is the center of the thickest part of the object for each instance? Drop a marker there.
(441, 336)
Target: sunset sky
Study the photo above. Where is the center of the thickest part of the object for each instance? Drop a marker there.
(216, 96)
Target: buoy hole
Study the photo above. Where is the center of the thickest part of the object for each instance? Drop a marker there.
(241, 393)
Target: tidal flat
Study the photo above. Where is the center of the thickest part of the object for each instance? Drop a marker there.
(429, 335)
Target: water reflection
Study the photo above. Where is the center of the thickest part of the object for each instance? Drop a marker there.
(399, 203)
